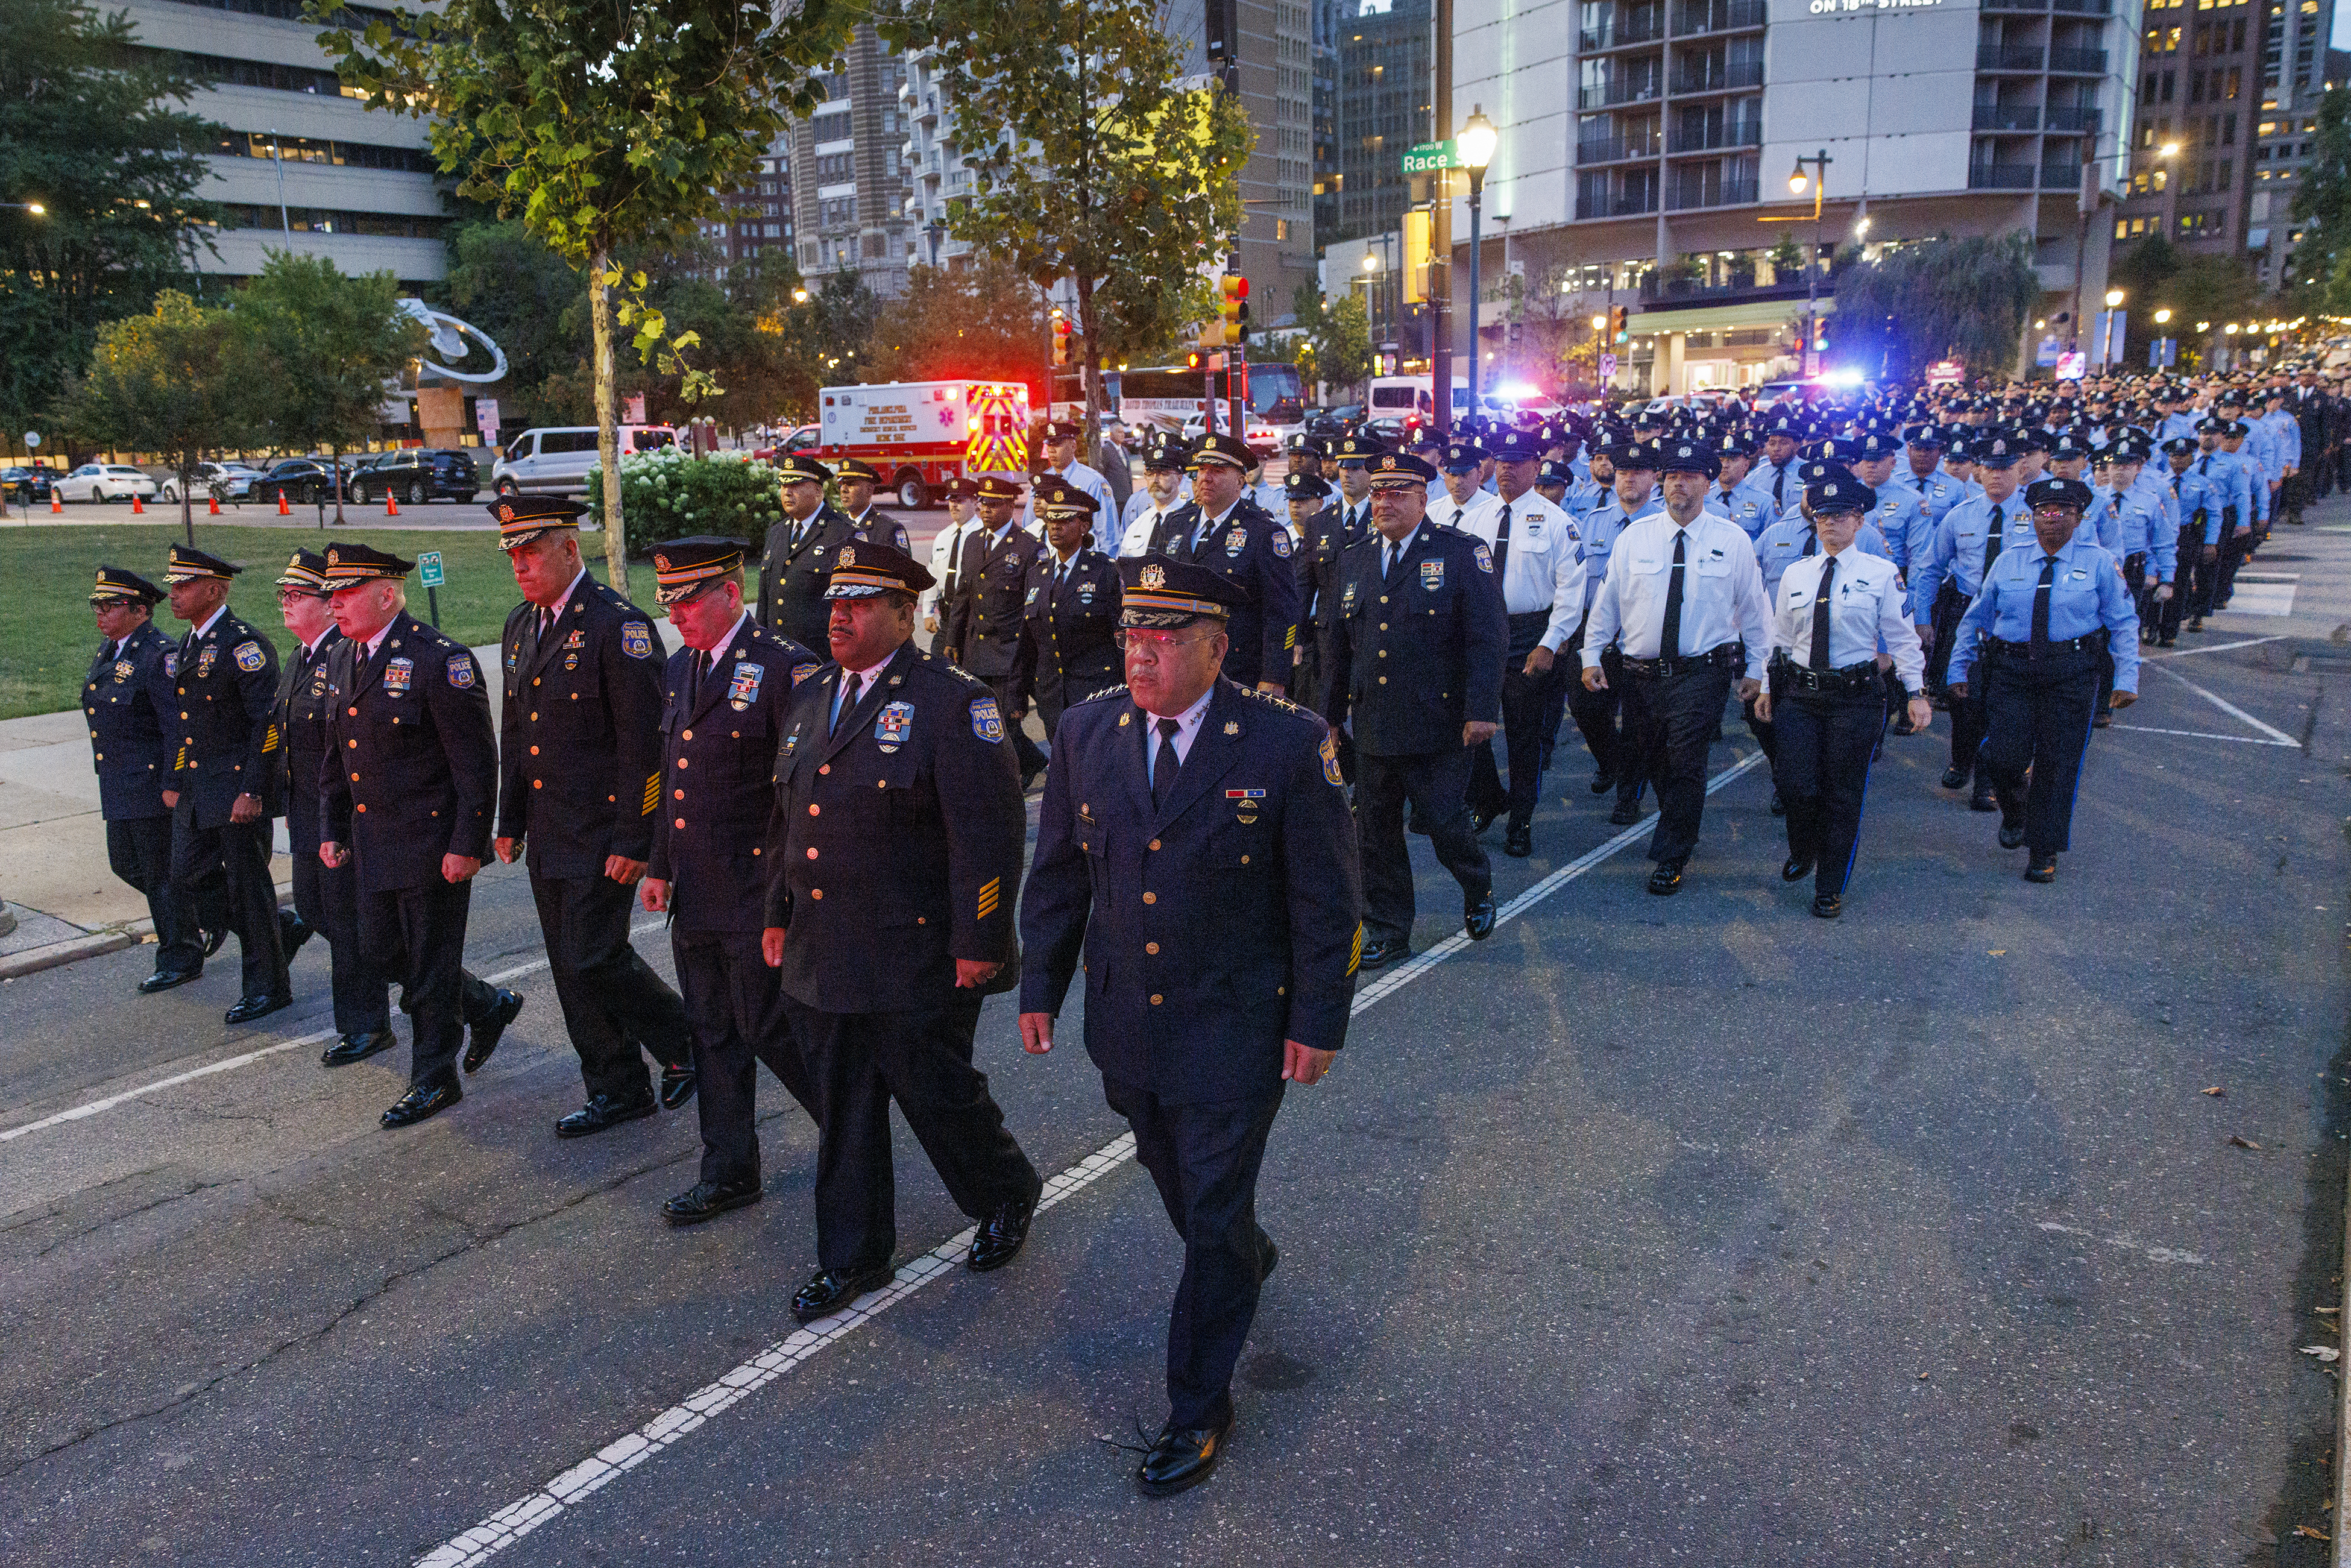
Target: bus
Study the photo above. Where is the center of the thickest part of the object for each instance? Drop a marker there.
(1173, 397)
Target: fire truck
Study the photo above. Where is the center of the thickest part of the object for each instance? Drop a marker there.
(923, 435)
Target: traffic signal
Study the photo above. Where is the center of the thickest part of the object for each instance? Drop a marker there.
(1616, 323)
(1234, 315)
(1062, 347)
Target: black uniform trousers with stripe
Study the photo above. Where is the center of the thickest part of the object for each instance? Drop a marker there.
(611, 998)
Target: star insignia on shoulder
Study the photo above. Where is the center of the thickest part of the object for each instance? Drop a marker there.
(1116, 691)
(1284, 704)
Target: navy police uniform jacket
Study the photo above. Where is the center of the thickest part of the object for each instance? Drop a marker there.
(1413, 658)
(1213, 928)
(227, 686)
(1066, 651)
(877, 524)
(125, 699)
(793, 577)
(895, 846)
(580, 735)
(414, 768)
(302, 709)
(992, 602)
(718, 767)
(1252, 550)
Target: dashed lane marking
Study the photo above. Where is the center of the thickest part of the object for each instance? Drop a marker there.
(626, 1452)
(2277, 735)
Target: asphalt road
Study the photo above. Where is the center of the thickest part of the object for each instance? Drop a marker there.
(1651, 1231)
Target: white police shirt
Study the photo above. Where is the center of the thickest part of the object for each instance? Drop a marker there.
(1544, 567)
(1866, 603)
(1722, 590)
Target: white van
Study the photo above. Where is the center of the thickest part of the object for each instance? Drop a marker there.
(555, 460)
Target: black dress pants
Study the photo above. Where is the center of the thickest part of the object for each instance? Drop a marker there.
(1204, 1157)
(328, 900)
(1595, 720)
(1526, 700)
(1669, 723)
(611, 998)
(1822, 771)
(1437, 784)
(920, 1057)
(734, 1006)
(1029, 756)
(417, 937)
(2041, 715)
(1950, 605)
(140, 852)
(1968, 723)
(2233, 546)
(2191, 584)
(241, 850)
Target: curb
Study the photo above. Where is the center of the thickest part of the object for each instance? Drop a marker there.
(32, 960)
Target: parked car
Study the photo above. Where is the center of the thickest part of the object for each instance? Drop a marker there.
(417, 475)
(229, 481)
(26, 485)
(304, 479)
(557, 460)
(105, 482)
(799, 440)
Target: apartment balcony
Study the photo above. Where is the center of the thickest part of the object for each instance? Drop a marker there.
(2007, 117)
(1705, 77)
(2001, 177)
(1617, 150)
(1720, 16)
(1615, 94)
(1739, 193)
(2061, 175)
(2078, 62)
(2080, 121)
(2042, 7)
(2009, 57)
(1714, 138)
(1615, 35)
(1619, 207)
(1675, 292)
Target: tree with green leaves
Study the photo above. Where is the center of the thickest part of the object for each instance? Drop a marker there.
(94, 136)
(1943, 298)
(977, 322)
(322, 350)
(2157, 274)
(601, 125)
(173, 382)
(2318, 273)
(1334, 345)
(1093, 159)
(534, 304)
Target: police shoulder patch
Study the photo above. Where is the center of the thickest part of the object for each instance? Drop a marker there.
(802, 672)
(248, 656)
(637, 640)
(986, 722)
(1485, 558)
(461, 670)
(1331, 761)
(1281, 542)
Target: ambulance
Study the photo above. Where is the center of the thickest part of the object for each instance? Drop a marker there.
(920, 436)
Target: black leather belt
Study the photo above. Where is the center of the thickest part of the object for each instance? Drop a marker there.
(2094, 643)
(1847, 681)
(1731, 656)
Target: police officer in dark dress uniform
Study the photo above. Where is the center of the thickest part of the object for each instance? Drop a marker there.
(1066, 649)
(798, 554)
(1222, 529)
(225, 788)
(579, 782)
(889, 924)
(1416, 675)
(857, 481)
(411, 799)
(125, 698)
(327, 899)
(1317, 527)
(727, 691)
(985, 623)
(1195, 847)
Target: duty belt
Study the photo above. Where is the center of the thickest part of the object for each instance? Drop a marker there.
(1731, 656)
(1851, 679)
(2091, 642)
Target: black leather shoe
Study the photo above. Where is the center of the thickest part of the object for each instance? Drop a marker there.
(2167, 641)
(481, 1038)
(1270, 1259)
(2195, 623)
(355, 1048)
(1955, 778)
(1827, 905)
(2011, 833)
(423, 1099)
(1001, 1236)
(1183, 1457)
(1481, 821)
(676, 1086)
(2042, 869)
(1666, 879)
(835, 1288)
(2104, 721)
(1902, 726)
(1779, 807)
(707, 1199)
(1603, 781)
(1477, 919)
(602, 1112)
(292, 932)
(253, 1008)
(164, 979)
(1519, 844)
(1378, 952)
(213, 940)
(1626, 813)
(1983, 799)
(1795, 868)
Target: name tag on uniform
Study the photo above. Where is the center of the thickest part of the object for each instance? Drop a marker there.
(1432, 575)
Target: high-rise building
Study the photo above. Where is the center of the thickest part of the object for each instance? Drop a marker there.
(934, 169)
(301, 165)
(1382, 112)
(847, 171)
(1264, 48)
(758, 217)
(1640, 140)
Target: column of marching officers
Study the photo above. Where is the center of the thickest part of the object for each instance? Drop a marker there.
(833, 818)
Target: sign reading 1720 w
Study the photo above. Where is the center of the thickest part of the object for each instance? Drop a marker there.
(1431, 155)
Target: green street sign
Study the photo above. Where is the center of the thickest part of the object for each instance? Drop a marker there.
(428, 570)
(1431, 155)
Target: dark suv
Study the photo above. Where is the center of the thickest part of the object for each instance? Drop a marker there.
(417, 475)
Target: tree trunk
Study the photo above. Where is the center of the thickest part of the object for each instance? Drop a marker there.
(608, 433)
(336, 454)
(187, 503)
(1090, 375)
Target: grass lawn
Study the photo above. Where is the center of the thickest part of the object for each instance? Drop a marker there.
(47, 639)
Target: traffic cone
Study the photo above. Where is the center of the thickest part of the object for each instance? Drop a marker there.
(212, 505)
(391, 506)
(138, 507)
(56, 501)
(283, 509)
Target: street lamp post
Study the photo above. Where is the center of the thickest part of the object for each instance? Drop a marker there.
(1819, 181)
(278, 149)
(2109, 343)
(1476, 144)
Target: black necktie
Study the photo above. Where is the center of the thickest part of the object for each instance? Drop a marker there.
(848, 702)
(2175, 484)
(1502, 540)
(2041, 606)
(1992, 541)
(1778, 478)
(1821, 615)
(695, 673)
(1669, 638)
(1164, 765)
(1388, 553)
(1812, 544)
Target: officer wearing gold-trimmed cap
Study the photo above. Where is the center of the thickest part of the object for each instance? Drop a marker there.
(962, 497)
(1223, 529)
(128, 701)
(726, 692)
(798, 557)
(1195, 848)
(224, 789)
(1071, 610)
(857, 481)
(578, 792)
(983, 620)
(894, 859)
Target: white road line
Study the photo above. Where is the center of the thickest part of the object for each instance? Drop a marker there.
(626, 1453)
(246, 1059)
(2200, 733)
(2215, 648)
(2231, 709)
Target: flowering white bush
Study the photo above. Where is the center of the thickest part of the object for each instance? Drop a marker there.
(667, 494)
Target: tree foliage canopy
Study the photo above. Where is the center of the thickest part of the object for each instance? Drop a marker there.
(1944, 298)
(321, 349)
(172, 381)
